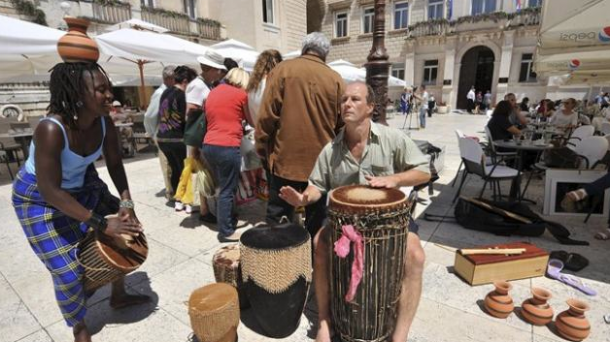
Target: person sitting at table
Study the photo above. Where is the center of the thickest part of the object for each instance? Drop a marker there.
(565, 118)
(515, 116)
(524, 106)
(499, 125)
(126, 133)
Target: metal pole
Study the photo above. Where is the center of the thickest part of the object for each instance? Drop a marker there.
(378, 67)
(143, 103)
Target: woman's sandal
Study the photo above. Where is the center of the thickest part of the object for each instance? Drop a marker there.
(603, 235)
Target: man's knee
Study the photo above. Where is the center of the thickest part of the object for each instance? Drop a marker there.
(416, 257)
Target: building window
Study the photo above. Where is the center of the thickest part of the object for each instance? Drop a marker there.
(401, 15)
(526, 74)
(534, 3)
(435, 9)
(341, 24)
(483, 6)
(398, 71)
(368, 17)
(268, 11)
(430, 71)
(147, 3)
(189, 8)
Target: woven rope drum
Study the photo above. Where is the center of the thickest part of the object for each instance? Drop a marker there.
(106, 260)
(227, 269)
(381, 216)
(214, 313)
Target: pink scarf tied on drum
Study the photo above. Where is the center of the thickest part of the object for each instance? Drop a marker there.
(342, 249)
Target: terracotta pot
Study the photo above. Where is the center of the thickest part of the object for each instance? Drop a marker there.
(536, 310)
(498, 302)
(76, 45)
(572, 323)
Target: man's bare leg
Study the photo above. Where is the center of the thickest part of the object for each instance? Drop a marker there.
(322, 284)
(81, 333)
(411, 288)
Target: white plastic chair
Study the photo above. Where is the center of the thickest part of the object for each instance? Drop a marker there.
(593, 149)
(579, 134)
(474, 162)
(605, 129)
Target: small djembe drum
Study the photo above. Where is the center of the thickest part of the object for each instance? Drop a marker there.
(106, 260)
(276, 270)
(370, 226)
(227, 269)
(214, 313)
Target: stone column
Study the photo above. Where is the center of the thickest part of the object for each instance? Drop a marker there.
(410, 68)
(449, 87)
(505, 64)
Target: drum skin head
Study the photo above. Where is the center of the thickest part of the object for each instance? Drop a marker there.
(364, 196)
(275, 237)
(213, 297)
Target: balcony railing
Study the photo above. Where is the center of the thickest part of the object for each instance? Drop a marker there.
(175, 22)
(208, 29)
(111, 13)
(527, 17)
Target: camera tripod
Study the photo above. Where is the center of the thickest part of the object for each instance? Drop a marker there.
(413, 110)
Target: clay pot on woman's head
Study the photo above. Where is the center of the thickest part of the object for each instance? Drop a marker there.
(76, 46)
(498, 302)
(572, 323)
(536, 310)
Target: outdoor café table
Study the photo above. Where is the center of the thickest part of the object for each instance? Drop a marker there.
(515, 189)
(23, 138)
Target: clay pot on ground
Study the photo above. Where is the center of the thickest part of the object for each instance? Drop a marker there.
(498, 302)
(76, 45)
(536, 310)
(572, 323)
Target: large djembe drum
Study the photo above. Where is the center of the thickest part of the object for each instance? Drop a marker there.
(214, 313)
(106, 260)
(369, 230)
(227, 269)
(276, 270)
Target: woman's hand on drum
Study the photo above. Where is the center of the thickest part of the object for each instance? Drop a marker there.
(293, 197)
(387, 182)
(118, 225)
(128, 215)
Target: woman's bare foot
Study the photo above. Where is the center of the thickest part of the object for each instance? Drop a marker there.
(81, 334)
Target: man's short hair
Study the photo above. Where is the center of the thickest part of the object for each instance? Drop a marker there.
(168, 71)
(370, 93)
(316, 42)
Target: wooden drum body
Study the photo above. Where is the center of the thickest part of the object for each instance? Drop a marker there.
(227, 269)
(381, 218)
(214, 313)
(106, 260)
(276, 269)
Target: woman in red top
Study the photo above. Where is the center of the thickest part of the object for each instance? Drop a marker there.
(225, 109)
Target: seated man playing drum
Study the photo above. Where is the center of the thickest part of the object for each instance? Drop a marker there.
(381, 157)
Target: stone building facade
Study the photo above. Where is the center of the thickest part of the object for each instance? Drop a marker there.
(483, 43)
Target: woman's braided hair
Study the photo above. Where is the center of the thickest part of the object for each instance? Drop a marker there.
(68, 88)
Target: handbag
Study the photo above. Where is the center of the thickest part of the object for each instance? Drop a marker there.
(195, 128)
(562, 157)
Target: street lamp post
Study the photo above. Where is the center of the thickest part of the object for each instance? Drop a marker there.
(378, 67)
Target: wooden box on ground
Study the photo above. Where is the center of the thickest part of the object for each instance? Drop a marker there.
(484, 269)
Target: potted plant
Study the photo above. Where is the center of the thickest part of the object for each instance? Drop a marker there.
(442, 108)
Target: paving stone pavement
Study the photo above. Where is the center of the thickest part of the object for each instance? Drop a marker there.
(180, 261)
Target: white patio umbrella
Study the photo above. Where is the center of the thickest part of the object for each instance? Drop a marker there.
(138, 24)
(26, 48)
(350, 73)
(143, 48)
(242, 53)
(574, 35)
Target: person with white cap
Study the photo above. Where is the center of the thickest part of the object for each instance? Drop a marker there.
(197, 91)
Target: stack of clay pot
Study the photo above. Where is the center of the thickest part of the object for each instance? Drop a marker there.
(571, 324)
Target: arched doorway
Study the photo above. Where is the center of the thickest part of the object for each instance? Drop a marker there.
(477, 70)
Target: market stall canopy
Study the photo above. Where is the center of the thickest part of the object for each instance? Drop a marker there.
(242, 53)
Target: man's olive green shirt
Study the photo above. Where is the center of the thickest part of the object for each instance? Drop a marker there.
(388, 151)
